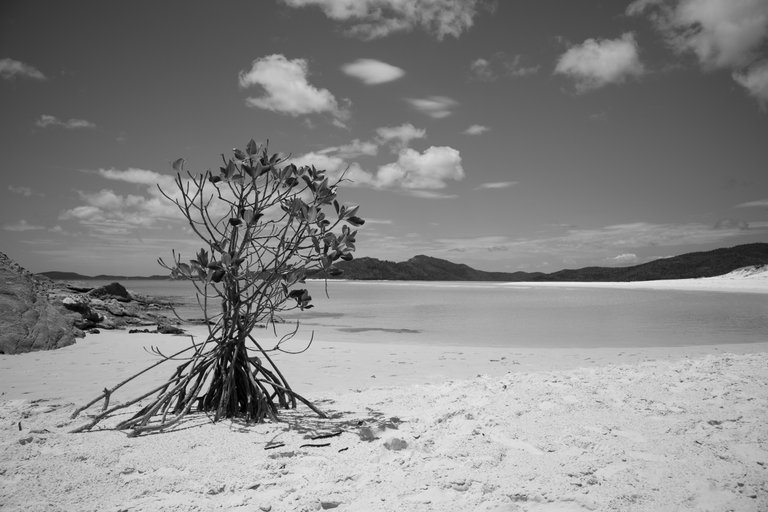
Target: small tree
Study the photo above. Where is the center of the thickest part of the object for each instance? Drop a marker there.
(266, 226)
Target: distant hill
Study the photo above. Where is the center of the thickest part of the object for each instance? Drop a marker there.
(73, 276)
(685, 266)
(427, 268)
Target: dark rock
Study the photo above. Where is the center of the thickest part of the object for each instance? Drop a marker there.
(28, 321)
(115, 290)
(94, 331)
(137, 331)
(169, 329)
(395, 444)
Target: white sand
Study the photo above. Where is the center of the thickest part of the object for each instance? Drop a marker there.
(541, 430)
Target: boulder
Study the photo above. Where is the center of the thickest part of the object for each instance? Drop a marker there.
(28, 321)
(115, 290)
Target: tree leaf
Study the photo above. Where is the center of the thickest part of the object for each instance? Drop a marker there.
(178, 165)
(252, 148)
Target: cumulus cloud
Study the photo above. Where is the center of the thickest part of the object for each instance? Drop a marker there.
(755, 80)
(287, 90)
(21, 226)
(437, 107)
(495, 185)
(372, 72)
(430, 169)
(417, 172)
(599, 62)
(476, 129)
(46, 121)
(370, 19)
(10, 69)
(721, 33)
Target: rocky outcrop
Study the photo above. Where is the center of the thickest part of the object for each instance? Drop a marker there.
(37, 313)
(28, 320)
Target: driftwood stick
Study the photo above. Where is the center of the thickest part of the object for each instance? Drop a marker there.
(108, 392)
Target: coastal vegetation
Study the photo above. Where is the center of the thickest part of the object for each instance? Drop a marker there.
(266, 225)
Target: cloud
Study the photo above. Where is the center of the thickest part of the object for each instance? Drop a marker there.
(10, 69)
(46, 121)
(286, 89)
(476, 129)
(371, 19)
(107, 212)
(760, 203)
(755, 80)
(22, 226)
(138, 177)
(597, 63)
(402, 135)
(489, 70)
(413, 170)
(353, 149)
(721, 33)
(430, 169)
(515, 68)
(607, 241)
(481, 70)
(372, 72)
(437, 107)
(627, 258)
(495, 185)
(21, 190)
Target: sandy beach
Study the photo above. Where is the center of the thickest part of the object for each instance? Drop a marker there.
(411, 427)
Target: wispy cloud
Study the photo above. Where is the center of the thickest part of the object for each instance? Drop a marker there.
(371, 19)
(437, 107)
(476, 129)
(495, 185)
(627, 258)
(21, 226)
(10, 69)
(607, 241)
(755, 80)
(47, 121)
(21, 190)
(489, 70)
(760, 203)
(401, 135)
(373, 72)
(599, 62)
(481, 70)
(287, 89)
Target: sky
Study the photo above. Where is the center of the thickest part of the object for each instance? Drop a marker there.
(509, 135)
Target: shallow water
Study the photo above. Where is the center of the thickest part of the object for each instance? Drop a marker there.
(494, 314)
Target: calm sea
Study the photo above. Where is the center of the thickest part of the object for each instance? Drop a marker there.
(492, 314)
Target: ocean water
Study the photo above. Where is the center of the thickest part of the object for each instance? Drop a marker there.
(492, 314)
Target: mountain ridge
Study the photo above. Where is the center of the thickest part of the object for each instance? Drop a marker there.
(427, 268)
